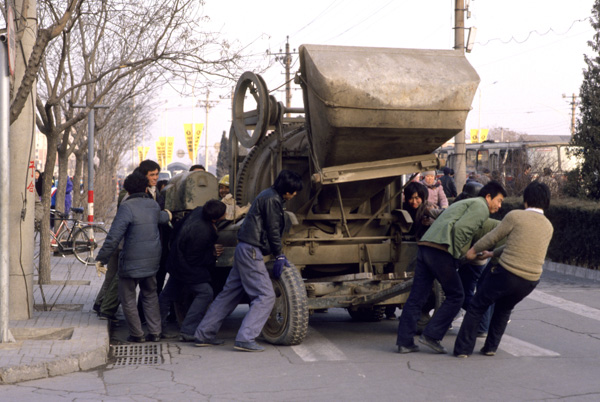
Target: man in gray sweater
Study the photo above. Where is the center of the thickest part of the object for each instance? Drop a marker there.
(528, 233)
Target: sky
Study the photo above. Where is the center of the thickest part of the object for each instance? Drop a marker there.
(528, 53)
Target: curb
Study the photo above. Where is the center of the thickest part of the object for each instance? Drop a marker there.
(572, 270)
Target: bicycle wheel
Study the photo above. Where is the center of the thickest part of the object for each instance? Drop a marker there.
(87, 241)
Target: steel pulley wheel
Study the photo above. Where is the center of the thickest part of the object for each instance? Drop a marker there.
(250, 124)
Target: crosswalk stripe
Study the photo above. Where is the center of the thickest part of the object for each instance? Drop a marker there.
(318, 348)
(572, 307)
(517, 347)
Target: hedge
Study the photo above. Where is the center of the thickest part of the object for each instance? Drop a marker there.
(576, 238)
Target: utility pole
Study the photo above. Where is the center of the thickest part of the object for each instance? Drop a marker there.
(288, 65)
(207, 105)
(460, 175)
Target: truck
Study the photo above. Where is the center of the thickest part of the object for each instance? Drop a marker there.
(370, 116)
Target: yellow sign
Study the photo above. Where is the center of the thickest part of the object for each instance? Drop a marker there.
(193, 140)
(169, 150)
(479, 137)
(160, 151)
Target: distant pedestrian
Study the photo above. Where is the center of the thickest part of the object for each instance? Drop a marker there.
(259, 235)
(448, 183)
(527, 233)
(550, 181)
(437, 197)
(136, 223)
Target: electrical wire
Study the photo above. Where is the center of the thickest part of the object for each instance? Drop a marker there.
(535, 31)
(361, 22)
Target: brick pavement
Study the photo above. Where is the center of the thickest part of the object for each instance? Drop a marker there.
(68, 335)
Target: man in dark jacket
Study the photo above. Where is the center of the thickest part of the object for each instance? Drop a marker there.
(137, 222)
(190, 260)
(260, 234)
(448, 183)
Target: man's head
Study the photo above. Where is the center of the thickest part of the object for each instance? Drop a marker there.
(213, 210)
(136, 182)
(224, 186)
(197, 168)
(429, 177)
(494, 194)
(536, 195)
(287, 184)
(526, 168)
(150, 169)
(447, 171)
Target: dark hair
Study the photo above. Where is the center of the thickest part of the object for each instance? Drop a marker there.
(470, 190)
(493, 188)
(136, 182)
(547, 171)
(415, 187)
(447, 171)
(537, 195)
(193, 167)
(148, 166)
(287, 182)
(161, 184)
(213, 210)
(526, 166)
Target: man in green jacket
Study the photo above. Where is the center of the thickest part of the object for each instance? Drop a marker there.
(438, 258)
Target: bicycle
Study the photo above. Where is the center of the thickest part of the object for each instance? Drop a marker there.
(83, 239)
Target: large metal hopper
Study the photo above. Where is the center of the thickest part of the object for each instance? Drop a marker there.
(371, 104)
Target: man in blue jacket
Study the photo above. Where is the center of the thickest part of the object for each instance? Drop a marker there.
(190, 260)
(259, 235)
(137, 222)
(438, 258)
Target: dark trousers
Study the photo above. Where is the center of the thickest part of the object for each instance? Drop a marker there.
(499, 287)
(471, 277)
(127, 287)
(432, 264)
(203, 296)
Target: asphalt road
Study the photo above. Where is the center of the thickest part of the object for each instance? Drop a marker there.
(551, 351)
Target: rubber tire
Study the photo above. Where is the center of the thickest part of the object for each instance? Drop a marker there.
(87, 254)
(370, 314)
(439, 299)
(288, 322)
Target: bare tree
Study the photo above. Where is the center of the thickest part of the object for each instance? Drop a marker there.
(106, 54)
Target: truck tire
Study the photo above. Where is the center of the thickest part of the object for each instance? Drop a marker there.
(288, 322)
(439, 297)
(369, 314)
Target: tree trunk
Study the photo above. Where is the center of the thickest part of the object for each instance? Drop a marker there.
(77, 177)
(44, 268)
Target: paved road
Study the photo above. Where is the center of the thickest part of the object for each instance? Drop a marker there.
(551, 351)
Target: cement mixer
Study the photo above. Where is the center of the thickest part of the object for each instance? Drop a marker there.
(370, 115)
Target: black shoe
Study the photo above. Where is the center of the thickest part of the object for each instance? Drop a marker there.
(408, 349)
(461, 355)
(482, 334)
(487, 352)
(186, 337)
(96, 308)
(135, 339)
(111, 318)
(248, 346)
(433, 344)
(207, 342)
(153, 337)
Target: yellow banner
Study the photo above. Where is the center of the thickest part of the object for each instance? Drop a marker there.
(160, 151)
(193, 140)
(143, 152)
(169, 150)
(476, 136)
(484, 134)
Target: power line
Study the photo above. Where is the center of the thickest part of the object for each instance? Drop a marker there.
(513, 39)
(316, 18)
(359, 23)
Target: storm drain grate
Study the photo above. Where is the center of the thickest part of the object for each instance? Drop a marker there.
(137, 355)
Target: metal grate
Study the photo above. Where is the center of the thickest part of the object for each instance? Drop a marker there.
(137, 355)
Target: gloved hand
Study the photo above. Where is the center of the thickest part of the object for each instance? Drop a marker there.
(280, 262)
(100, 268)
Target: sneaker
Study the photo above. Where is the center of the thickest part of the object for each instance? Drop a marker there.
(96, 308)
(433, 344)
(135, 339)
(461, 356)
(153, 337)
(408, 349)
(482, 334)
(186, 337)
(248, 346)
(486, 352)
(111, 318)
(207, 342)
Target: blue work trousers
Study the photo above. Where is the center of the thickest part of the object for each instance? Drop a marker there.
(432, 263)
(203, 296)
(471, 276)
(248, 274)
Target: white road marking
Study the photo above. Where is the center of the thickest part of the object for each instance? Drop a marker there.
(572, 307)
(517, 347)
(316, 347)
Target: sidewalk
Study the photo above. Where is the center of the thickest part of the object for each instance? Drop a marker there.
(67, 338)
